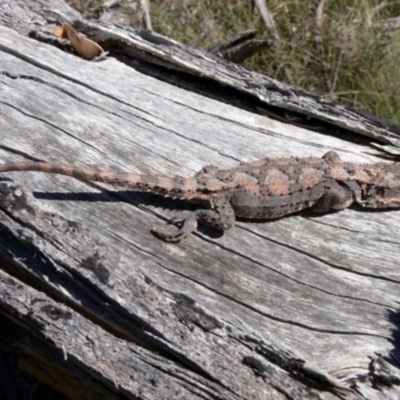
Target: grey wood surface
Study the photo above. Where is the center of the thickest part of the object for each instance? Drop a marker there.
(302, 307)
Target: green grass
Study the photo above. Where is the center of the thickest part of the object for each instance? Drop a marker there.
(355, 61)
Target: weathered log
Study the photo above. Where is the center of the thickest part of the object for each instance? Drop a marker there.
(302, 307)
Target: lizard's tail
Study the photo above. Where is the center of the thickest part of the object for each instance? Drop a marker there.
(177, 187)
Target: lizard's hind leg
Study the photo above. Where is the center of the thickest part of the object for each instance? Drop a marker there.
(221, 216)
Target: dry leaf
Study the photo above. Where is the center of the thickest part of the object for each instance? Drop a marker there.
(83, 46)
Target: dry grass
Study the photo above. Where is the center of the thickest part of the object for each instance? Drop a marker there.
(349, 54)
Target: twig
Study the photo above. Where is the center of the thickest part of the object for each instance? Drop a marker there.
(241, 46)
(336, 74)
(145, 10)
(267, 17)
(319, 21)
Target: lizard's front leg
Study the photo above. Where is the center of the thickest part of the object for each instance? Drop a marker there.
(336, 197)
(221, 216)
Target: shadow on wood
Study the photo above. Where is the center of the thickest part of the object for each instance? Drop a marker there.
(300, 307)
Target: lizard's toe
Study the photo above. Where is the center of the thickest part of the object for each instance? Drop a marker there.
(188, 225)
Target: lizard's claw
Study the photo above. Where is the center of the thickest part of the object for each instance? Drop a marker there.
(187, 226)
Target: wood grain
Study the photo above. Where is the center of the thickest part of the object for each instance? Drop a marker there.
(294, 308)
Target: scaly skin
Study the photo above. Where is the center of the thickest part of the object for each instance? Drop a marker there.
(263, 189)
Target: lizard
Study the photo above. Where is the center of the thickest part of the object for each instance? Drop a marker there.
(264, 189)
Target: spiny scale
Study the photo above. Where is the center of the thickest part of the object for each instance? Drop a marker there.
(178, 187)
(263, 189)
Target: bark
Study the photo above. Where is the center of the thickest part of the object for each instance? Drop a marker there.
(96, 307)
